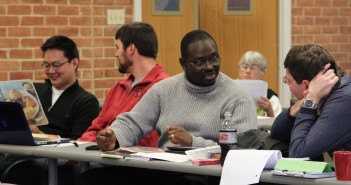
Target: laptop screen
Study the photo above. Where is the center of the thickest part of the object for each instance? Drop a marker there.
(14, 128)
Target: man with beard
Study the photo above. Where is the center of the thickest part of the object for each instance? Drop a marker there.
(186, 109)
(69, 108)
(136, 51)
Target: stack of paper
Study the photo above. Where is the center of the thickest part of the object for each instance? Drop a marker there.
(202, 153)
(144, 153)
(163, 156)
(123, 152)
(118, 154)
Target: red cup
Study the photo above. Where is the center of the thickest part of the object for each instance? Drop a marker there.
(342, 163)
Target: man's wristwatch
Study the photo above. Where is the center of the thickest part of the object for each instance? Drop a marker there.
(307, 103)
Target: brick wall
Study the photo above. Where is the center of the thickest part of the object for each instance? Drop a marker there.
(26, 24)
(326, 23)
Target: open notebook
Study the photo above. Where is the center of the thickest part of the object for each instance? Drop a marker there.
(14, 128)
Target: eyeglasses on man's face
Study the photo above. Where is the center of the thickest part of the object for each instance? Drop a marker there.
(55, 65)
(202, 62)
(287, 81)
(251, 67)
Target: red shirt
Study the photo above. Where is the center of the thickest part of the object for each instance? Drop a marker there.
(120, 99)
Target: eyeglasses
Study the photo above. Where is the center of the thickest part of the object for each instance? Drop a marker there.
(55, 65)
(202, 63)
(286, 80)
(252, 67)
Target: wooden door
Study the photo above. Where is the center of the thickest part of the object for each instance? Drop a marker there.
(236, 34)
(170, 30)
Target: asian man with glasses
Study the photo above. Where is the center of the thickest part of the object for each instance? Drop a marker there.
(69, 108)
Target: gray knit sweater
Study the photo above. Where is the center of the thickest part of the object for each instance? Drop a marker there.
(200, 110)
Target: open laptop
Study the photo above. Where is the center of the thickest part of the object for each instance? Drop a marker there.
(14, 128)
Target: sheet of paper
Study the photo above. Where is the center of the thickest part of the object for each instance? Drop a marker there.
(164, 156)
(256, 88)
(245, 166)
(303, 166)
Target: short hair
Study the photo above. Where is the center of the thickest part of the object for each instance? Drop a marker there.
(254, 57)
(63, 43)
(142, 35)
(304, 62)
(191, 37)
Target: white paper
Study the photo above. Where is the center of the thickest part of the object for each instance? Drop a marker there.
(256, 88)
(164, 156)
(242, 167)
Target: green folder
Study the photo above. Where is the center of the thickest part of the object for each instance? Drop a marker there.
(286, 164)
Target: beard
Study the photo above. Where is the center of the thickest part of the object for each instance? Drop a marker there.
(124, 68)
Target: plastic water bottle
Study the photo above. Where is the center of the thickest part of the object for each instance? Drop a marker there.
(228, 137)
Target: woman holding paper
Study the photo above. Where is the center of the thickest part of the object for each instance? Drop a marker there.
(253, 66)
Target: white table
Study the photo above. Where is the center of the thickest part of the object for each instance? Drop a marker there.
(72, 152)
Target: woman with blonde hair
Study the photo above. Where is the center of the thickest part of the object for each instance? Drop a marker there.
(253, 66)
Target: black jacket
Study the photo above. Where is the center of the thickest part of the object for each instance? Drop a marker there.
(72, 113)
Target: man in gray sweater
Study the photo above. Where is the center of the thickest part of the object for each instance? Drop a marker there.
(186, 110)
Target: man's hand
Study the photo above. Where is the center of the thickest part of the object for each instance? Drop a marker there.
(295, 109)
(106, 140)
(179, 136)
(266, 105)
(321, 85)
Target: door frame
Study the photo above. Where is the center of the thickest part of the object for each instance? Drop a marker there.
(284, 42)
(284, 45)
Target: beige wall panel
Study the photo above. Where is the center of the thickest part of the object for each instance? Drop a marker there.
(236, 34)
(170, 30)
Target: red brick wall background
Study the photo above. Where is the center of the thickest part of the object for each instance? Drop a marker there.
(26, 24)
(326, 23)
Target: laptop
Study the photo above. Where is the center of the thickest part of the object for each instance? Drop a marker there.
(14, 128)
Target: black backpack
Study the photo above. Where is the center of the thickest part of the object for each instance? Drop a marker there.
(261, 140)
